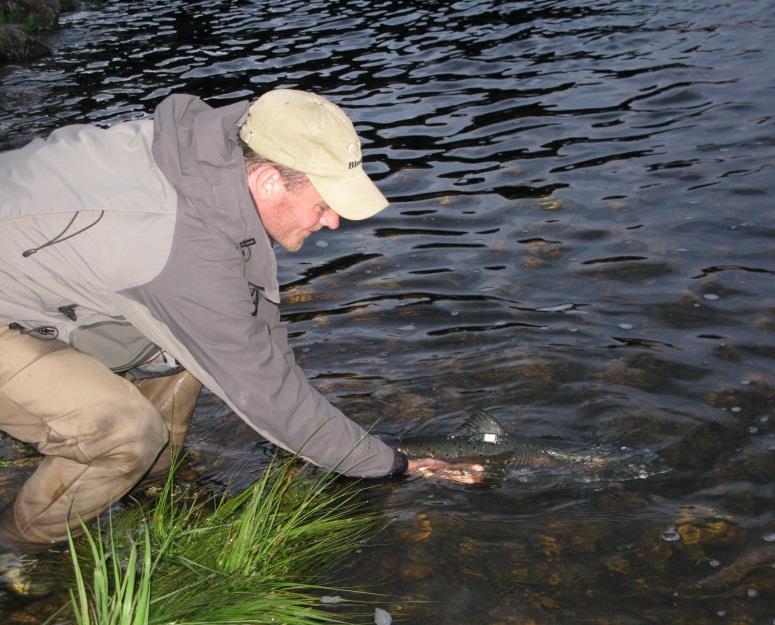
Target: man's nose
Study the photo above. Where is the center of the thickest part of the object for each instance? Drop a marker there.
(330, 219)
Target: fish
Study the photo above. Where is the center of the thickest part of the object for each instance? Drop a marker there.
(481, 439)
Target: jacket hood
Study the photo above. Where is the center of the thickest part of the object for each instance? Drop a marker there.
(197, 148)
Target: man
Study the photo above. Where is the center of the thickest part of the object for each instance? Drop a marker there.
(149, 244)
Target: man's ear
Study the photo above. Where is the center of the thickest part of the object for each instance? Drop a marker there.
(265, 182)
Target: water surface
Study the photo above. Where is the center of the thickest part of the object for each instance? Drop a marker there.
(580, 241)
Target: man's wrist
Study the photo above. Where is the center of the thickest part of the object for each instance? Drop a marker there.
(400, 465)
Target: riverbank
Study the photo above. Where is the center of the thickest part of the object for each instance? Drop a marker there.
(24, 25)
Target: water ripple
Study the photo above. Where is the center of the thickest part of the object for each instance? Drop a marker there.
(580, 238)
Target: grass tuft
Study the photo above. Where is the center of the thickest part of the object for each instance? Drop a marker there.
(255, 558)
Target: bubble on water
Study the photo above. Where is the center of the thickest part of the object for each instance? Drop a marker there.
(711, 296)
(695, 305)
(321, 243)
(626, 326)
(735, 408)
(752, 429)
(454, 313)
(331, 599)
(573, 330)
(384, 354)
(670, 535)
(408, 328)
(752, 593)
(722, 612)
(764, 419)
(769, 538)
(714, 563)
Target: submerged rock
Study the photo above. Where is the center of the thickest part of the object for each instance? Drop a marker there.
(20, 23)
(16, 46)
(32, 15)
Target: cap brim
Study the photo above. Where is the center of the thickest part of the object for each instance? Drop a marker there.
(355, 197)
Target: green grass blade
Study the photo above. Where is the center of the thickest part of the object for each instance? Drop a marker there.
(254, 558)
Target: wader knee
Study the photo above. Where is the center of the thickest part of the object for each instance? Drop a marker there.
(64, 493)
(98, 433)
(139, 439)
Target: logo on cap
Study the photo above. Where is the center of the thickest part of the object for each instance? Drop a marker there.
(353, 150)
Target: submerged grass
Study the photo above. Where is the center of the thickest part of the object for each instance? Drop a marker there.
(255, 558)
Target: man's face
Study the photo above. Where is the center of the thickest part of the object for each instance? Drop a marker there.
(290, 216)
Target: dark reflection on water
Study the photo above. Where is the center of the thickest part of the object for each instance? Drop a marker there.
(581, 241)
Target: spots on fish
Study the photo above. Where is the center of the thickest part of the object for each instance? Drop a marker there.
(482, 439)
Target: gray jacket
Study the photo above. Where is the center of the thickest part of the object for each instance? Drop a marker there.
(142, 236)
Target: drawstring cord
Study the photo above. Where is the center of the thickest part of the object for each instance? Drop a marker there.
(59, 238)
(50, 333)
(44, 333)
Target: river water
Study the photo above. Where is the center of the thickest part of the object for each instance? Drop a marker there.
(580, 241)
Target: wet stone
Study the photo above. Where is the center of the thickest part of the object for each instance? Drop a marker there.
(617, 564)
(382, 617)
(413, 571)
(416, 532)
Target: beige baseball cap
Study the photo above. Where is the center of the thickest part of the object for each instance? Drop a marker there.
(310, 134)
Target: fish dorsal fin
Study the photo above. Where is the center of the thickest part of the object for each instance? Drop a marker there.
(482, 427)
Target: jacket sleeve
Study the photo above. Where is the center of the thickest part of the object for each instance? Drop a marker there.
(203, 314)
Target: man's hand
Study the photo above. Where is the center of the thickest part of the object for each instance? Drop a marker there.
(461, 473)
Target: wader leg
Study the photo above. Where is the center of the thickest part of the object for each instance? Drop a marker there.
(98, 432)
(174, 396)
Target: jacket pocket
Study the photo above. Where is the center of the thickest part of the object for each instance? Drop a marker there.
(117, 344)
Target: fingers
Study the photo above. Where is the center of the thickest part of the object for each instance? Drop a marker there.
(460, 474)
(472, 474)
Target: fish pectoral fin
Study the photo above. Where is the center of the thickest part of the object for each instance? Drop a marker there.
(481, 426)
